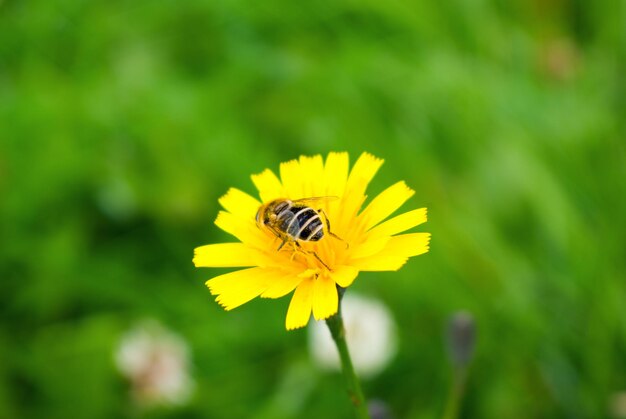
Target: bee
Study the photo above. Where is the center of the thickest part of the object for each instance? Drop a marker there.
(295, 221)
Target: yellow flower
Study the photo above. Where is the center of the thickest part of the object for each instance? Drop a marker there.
(364, 242)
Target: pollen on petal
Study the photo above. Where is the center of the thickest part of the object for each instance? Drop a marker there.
(299, 310)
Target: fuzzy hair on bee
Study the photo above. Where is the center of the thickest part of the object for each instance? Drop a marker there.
(295, 221)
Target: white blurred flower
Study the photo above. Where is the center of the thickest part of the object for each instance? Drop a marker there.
(370, 333)
(617, 406)
(156, 362)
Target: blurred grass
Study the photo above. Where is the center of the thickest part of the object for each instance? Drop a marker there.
(121, 123)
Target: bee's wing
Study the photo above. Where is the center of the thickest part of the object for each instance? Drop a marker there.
(314, 199)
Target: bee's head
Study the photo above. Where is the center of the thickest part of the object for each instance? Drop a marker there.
(269, 212)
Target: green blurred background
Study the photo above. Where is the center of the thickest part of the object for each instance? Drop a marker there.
(122, 122)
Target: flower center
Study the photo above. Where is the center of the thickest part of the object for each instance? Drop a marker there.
(309, 273)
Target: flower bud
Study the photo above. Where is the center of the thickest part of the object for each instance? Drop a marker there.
(378, 409)
(461, 338)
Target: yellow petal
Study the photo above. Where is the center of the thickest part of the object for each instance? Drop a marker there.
(226, 255)
(268, 185)
(364, 169)
(344, 276)
(245, 229)
(282, 286)
(399, 223)
(239, 203)
(343, 222)
(362, 173)
(336, 174)
(236, 288)
(291, 177)
(385, 204)
(370, 246)
(411, 244)
(299, 310)
(312, 176)
(379, 263)
(325, 298)
(395, 254)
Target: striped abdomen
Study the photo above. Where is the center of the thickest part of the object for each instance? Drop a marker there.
(300, 223)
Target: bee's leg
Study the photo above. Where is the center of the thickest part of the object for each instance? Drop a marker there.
(321, 261)
(292, 257)
(327, 222)
(297, 248)
(313, 253)
(281, 245)
(281, 236)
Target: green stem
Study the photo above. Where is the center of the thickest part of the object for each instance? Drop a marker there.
(456, 394)
(338, 332)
